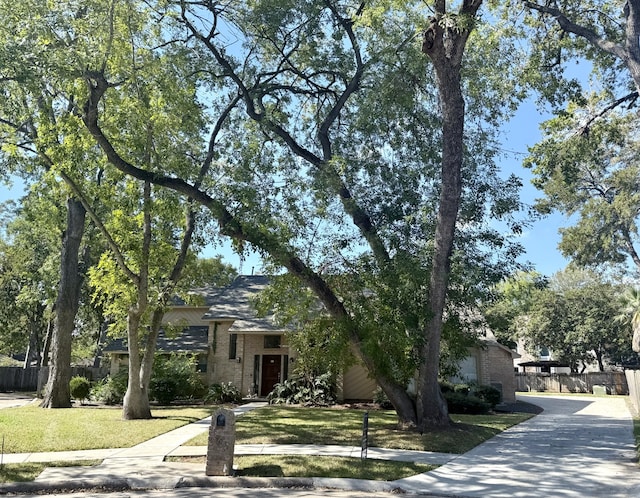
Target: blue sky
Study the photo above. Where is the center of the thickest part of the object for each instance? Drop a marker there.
(540, 240)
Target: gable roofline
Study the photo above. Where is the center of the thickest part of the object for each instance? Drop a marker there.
(235, 302)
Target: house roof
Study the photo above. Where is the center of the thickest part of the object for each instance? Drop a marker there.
(236, 303)
(193, 339)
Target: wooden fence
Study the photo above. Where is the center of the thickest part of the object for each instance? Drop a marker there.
(633, 381)
(615, 382)
(30, 379)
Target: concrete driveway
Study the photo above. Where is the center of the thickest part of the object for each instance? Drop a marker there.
(578, 447)
(9, 400)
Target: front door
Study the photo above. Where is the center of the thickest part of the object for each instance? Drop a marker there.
(271, 367)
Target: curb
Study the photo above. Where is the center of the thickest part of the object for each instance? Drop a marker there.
(125, 484)
(111, 484)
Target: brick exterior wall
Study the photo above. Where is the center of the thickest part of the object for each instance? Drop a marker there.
(240, 371)
(499, 362)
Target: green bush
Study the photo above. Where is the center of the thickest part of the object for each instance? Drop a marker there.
(488, 394)
(459, 402)
(461, 388)
(79, 387)
(319, 391)
(164, 390)
(111, 389)
(223, 393)
(380, 398)
(446, 386)
(175, 377)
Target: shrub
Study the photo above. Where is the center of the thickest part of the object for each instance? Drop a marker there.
(223, 393)
(111, 389)
(164, 390)
(446, 386)
(318, 391)
(380, 398)
(175, 377)
(461, 388)
(79, 387)
(458, 402)
(488, 394)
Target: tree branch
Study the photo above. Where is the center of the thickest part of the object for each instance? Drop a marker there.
(582, 31)
(115, 249)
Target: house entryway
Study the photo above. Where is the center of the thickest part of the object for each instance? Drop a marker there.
(271, 373)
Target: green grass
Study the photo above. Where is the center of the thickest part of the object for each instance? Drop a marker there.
(320, 466)
(30, 428)
(24, 472)
(294, 425)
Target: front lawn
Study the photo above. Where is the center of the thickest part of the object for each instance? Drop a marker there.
(32, 429)
(296, 425)
(24, 472)
(320, 466)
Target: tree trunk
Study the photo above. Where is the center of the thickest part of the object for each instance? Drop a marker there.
(57, 393)
(445, 47)
(136, 399)
(44, 362)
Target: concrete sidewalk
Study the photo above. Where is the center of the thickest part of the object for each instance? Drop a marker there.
(578, 447)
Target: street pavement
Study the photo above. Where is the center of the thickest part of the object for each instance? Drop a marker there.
(579, 446)
(10, 400)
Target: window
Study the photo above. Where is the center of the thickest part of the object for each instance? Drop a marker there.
(233, 346)
(201, 364)
(272, 341)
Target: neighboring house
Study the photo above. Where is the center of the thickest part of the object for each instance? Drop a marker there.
(491, 364)
(233, 344)
(543, 362)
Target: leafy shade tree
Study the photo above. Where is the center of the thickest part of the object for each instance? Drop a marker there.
(592, 175)
(309, 171)
(336, 147)
(137, 278)
(30, 262)
(586, 165)
(578, 323)
(512, 300)
(40, 124)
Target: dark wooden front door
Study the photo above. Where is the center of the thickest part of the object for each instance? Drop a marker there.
(271, 367)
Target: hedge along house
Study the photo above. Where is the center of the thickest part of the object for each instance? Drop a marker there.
(233, 344)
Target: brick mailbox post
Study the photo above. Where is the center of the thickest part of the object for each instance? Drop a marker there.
(222, 440)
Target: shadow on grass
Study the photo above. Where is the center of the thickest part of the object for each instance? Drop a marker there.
(261, 470)
(186, 420)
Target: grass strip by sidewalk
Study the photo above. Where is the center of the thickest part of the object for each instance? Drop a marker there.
(32, 429)
(296, 425)
(25, 472)
(319, 466)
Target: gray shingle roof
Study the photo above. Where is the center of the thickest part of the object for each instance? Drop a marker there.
(193, 339)
(236, 302)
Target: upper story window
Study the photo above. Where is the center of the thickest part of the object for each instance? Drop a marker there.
(272, 341)
(233, 346)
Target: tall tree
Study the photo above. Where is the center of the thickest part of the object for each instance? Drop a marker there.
(575, 319)
(325, 171)
(28, 274)
(57, 393)
(586, 163)
(335, 147)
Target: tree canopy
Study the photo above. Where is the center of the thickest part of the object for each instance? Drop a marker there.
(351, 144)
